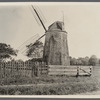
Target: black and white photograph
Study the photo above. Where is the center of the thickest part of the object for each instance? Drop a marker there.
(49, 49)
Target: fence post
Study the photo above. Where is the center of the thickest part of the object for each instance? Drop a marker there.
(17, 64)
(0, 69)
(41, 71)
(11, 69)
(24, 69)
(4, 69)
(46, 64)
(38, 69)
(77, 71)
(90, 71)
(47, 68)
(32, 69)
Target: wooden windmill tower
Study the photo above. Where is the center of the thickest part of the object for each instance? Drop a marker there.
(56, 45)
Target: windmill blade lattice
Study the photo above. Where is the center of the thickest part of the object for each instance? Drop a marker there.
(22, 47)
(25, 50)
(40, 14)
(40, 19)
(35, 16)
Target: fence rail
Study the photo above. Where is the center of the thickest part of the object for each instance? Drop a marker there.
(69, 70)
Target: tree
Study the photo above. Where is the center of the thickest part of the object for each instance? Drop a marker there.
(6, 51)
(35, 50)
(73, 61)
(93, 60)
(99, 61)
(79, 61)
(84, 61)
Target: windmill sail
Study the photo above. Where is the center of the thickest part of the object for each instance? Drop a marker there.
(40, 14)
(35, 16)
(39, 18)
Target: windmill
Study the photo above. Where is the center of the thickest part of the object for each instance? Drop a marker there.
(55, 47)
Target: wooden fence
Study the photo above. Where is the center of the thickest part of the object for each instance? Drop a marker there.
(69, 70)
(30, 69)
(38, 68)
(85, 70)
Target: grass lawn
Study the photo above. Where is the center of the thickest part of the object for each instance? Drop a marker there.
(49, 85)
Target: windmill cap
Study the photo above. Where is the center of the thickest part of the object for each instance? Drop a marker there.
(58, 25)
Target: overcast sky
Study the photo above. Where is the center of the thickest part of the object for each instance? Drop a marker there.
(82, 22)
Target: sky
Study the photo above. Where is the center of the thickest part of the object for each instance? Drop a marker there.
(82, 22)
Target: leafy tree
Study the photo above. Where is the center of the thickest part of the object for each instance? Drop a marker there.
(35, 50)
(6, 51)
(84, 61)
(99, 61)
(79, 61)
(93, 60)
(73, 61)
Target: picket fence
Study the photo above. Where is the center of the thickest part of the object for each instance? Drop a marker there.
(38, 68)
(29, 69)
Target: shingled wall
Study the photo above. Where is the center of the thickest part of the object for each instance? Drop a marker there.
(56, 46)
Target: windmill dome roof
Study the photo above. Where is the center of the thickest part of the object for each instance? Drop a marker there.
(58, 25)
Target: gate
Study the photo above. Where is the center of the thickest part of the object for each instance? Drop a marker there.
(70, 70)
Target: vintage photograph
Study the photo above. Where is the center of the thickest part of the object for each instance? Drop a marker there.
(49, 48)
